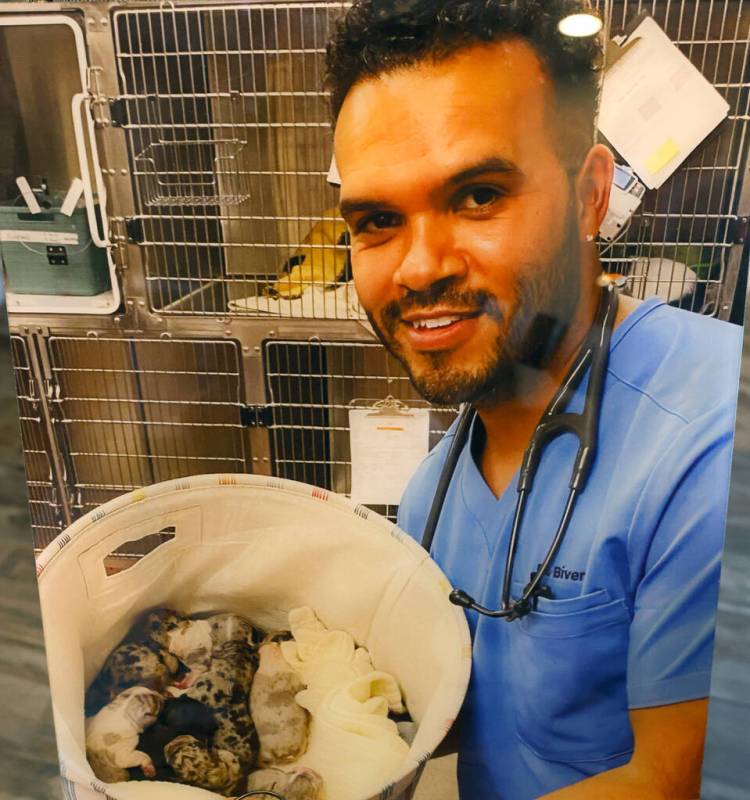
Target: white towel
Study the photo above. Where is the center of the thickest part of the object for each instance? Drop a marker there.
(317, 302)
(323, 659)
(353, 745)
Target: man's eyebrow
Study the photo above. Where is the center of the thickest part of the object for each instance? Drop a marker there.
(494, 164)
(349, 207)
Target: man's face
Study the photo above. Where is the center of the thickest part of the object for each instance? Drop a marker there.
(462, 216)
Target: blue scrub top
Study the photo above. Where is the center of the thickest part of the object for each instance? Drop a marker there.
(636, 580)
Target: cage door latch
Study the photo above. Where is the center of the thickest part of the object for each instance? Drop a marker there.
(256, 416)
(118, 112)
(134, 230)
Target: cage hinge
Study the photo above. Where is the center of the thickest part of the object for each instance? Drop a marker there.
(118, 112)
(739, 229)
(134, 229)
(256, 416)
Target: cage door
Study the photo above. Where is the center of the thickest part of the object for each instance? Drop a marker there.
(74, 268)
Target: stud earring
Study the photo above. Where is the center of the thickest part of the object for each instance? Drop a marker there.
(589, 237)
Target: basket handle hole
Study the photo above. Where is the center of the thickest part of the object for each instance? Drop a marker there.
(128, 554)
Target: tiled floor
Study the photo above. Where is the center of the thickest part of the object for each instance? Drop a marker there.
(27, 751)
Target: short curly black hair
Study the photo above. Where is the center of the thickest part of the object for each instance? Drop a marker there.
(379, 36)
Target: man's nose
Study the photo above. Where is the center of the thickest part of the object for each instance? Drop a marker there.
(431, 255)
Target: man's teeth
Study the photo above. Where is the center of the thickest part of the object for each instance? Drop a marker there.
(437, 322)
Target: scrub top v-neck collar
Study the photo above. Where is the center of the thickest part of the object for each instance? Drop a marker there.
(493, 513)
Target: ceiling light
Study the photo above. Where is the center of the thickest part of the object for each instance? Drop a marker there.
(580, 25)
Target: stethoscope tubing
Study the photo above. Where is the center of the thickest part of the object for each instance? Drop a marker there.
(585, 425)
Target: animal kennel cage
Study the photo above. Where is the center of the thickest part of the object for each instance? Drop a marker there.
(123, 413)
(229, 140)
(698, 215)
(120, 420)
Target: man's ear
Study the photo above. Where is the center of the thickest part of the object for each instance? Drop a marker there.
(593, 186)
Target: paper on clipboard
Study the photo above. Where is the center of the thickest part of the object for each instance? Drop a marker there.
(656, 107)
(385, 451)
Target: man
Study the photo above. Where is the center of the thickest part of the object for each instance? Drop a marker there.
(473, 192)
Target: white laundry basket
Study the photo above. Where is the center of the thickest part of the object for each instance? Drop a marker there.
(257, 546)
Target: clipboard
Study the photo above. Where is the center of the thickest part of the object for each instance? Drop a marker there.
(388, 441)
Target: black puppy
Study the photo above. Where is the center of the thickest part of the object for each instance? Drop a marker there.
(181, 716)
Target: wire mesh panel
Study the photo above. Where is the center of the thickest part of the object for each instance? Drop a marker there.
(44, 502)
(230, 141)
(310, 389)
(690, 220)
(132, 412)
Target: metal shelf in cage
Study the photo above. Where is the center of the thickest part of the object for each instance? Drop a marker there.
(197, 172)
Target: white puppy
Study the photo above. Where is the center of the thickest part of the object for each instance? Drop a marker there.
(112, 734)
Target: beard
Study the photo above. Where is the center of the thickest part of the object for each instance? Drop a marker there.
(546, 298)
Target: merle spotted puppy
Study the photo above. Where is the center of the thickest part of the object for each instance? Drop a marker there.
(181, 716)
(230, 627)
(141, 660)
(224, 688)
(207, 768)
(154, 631)
(127, 665)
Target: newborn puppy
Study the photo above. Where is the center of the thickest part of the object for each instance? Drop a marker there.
(143, 659)
(296, 783)
(112, 735)
(155, 630)
(193, 763)
(191, 642)
(280, 722)
(229, 676)
(237, 734)
(224, 689)
(128, 665)
(180, 716)
(230, 628)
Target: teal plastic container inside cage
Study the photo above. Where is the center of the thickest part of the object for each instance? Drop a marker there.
(51, 253)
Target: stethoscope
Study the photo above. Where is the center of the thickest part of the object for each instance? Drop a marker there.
(554, 421)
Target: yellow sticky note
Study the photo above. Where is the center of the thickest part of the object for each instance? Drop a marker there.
(662, 156)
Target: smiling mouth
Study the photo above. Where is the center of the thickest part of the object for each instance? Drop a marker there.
(428, 323)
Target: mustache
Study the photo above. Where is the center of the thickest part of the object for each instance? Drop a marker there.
(441, 293)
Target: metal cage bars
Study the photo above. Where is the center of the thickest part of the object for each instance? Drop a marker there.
(230, 142)
(227, 127)
(311, 387)
(693, 215)
(45, 503)
(128, 412)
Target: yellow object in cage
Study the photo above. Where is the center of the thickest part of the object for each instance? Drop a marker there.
(321, 260)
